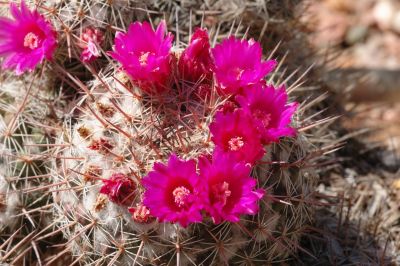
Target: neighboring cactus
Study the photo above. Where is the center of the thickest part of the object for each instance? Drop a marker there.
(24, 177)
(126, 124)
(29, 111)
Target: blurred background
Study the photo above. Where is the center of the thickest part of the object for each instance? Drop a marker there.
(361, 41)
(356, 46)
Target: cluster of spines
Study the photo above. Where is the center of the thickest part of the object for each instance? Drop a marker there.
(24, 160)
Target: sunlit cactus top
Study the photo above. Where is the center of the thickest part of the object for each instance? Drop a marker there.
(251, 115)
(164, 152)
(26, 40)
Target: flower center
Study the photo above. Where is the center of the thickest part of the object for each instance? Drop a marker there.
(263, 117)
(235, 143)
(180, 195)
(143, 58)
(221, 192)
(31, 41)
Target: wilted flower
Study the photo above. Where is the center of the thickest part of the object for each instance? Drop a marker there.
(140, 213)
(102, 145)
(173, 191)
(238, 65)
(26, 40)
(145, 55)
(236, 133)
(196, 61)
(91, 39)
(120, 189)
(269, 108)
(230, 188)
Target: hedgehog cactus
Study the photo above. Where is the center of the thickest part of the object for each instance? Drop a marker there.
(192, 156)
(24, 153)
(186, 157)
(26, 112)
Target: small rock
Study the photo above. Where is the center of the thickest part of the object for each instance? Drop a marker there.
(396, 22)
(396, 184)
(356, 34)
(341, 5)
(350, 175)
(383, 13)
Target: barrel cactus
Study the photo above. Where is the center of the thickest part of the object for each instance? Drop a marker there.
(28, 119)
(25, 202)
(189, 156)
(186, 154)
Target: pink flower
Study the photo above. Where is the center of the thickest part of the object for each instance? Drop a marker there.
(196, 62)
(120, 189)
(145, 55)
(26, 40)
(230, 188)
(236, 133)
(90, 53)
(238, 65)
(174, 191)
(270, 110)
(91, 39)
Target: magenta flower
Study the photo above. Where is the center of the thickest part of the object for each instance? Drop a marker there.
(196, 61)
(236, 133)
(230, 188)
(174, 191)
(238, 65)
(26, 40)
(120, 189)
(270, 110)
(145, 55)
(91, 40)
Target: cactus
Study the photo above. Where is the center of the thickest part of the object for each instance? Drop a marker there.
(24, 177)
(28, 119)
(122, 126)
(122, 129)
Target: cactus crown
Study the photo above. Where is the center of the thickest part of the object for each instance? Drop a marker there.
(186, 156)
(159, 150)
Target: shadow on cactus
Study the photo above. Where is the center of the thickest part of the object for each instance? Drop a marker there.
(189, 156)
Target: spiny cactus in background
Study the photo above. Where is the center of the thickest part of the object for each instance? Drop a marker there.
(122, 197)
(24, 159)
(27, 114)
(126, 128)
